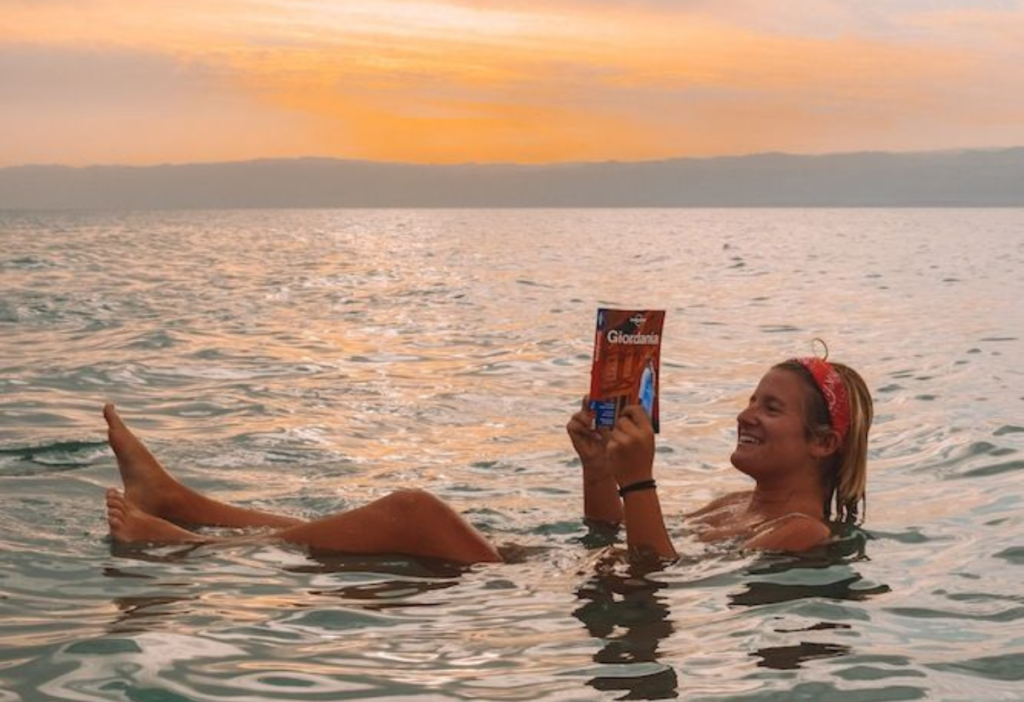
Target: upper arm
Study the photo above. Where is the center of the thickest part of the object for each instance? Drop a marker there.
(796, 533)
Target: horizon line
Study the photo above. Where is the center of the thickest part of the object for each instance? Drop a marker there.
(521, 164)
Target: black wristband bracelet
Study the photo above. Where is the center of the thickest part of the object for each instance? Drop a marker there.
(639, 485)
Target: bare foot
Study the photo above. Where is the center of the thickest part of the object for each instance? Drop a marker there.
(129, 524)
(146, 484)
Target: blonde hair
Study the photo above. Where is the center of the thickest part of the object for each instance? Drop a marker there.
(847, 469)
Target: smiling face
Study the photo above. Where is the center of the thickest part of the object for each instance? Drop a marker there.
(773, 440)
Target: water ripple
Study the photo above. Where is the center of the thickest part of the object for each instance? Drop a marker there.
(319, 359)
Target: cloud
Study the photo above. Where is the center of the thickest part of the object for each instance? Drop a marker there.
(80, 106)
(526, 80)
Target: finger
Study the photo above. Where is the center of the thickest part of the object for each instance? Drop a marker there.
(637, 415)
(622, 433)
(625, 424)
(580, 430)
(581, 418)
(582, 415)
(576, 428)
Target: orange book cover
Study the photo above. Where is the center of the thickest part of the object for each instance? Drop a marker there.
(627, 363)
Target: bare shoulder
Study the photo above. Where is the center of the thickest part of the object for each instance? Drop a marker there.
(794, 532)
(730, 500)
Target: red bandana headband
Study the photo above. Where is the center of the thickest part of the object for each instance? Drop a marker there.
(834, 390)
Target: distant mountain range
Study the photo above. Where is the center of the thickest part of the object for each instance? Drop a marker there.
(992, 178)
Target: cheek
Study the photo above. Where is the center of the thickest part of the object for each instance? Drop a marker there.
(792, 432)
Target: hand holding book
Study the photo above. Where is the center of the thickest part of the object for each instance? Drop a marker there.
(631, 447)
(591, 444)
(600, 490)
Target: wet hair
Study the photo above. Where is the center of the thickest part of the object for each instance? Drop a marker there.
(846, 469)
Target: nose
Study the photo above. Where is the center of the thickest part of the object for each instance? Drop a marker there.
(746, 415)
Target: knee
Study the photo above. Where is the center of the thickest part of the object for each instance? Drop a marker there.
(413, 502)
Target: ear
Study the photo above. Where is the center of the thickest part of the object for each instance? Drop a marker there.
(825, 444)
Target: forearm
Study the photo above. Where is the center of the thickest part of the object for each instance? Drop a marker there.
(645, 524)
(601, 501)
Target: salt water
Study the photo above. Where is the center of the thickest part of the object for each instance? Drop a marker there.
(310, 361)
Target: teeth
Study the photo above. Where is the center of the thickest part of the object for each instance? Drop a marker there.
(749, 440)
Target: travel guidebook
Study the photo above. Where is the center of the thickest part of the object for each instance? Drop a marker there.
(627, 363)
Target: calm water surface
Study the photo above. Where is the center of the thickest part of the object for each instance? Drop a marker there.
(309, 361)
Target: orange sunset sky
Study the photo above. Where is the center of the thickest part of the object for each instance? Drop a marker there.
(445, 81)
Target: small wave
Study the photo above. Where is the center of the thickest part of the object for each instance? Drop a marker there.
(910, 536)
(961, 462)
(1008, 615)
(159, 339)
(1008, 429)
(993, 469)
(51, 458)
(8, 313)
(1009, 667)
(29, 263)
(1014, 555)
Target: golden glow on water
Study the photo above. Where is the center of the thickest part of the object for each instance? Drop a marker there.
(306, 362)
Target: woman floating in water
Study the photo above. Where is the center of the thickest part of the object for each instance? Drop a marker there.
(802, 438)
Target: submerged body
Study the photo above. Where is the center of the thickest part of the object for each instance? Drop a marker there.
(802, 438)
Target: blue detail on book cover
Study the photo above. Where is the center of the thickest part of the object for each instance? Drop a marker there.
(647, 389)
(604, 412)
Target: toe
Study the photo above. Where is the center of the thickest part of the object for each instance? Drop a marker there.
(113, 418)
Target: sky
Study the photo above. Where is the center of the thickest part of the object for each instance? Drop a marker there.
(144, 82)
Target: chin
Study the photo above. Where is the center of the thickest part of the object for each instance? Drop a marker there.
(751, 466)
(738, 462)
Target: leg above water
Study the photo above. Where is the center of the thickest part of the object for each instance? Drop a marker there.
(407, 522)
(129, 524)
(152, 489)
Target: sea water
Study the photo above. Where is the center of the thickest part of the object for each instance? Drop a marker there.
(310, 361)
